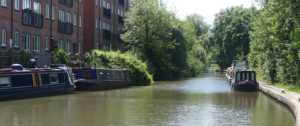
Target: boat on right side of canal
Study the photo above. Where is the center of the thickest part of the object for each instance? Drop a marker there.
(240, 78)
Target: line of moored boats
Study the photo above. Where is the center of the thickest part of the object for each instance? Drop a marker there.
(18, 82)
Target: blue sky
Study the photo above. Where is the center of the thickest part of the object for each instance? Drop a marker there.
(206, 8)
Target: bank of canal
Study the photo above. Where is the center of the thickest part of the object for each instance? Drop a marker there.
(205, 100)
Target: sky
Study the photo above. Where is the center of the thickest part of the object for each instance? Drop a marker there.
(206, 8)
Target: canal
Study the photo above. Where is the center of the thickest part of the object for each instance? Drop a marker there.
(204, 100)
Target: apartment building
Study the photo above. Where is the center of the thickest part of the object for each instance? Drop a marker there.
(41, 25)
(103, 20)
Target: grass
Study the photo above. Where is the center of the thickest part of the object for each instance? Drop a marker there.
(290, 87)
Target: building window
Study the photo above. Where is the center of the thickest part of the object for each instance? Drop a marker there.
(52, 12)
(104, 4)
(104, 25)
(118, 30)
(79, 21)
(112, 8)
(118, 11)
(68, 17)
(36, 43)
(60, 44)
(74, 21)
(112, 28)
(61, 15)
(108, 27)
(4, 3)
(46, 43)
(17, 4)
(96, 2)
(96, 45)
(26, 42)
(100, 3)
(107, 6)
(121, 13)
(27, 4)
(47, 11)
(79, 0)
(96, 22)
(17, 36)
(67, 47)
(3, 38)
(79, 47)
(100, 24)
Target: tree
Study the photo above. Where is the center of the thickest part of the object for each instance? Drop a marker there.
(231, 34)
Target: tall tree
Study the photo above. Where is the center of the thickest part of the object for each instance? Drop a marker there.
(231, 33)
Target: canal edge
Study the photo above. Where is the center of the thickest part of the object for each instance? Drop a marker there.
(288, 98)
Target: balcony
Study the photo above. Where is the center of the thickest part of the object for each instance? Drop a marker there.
(69, 28)
(121, 2)
(32, 19)
(37, 20)
(26, 14)
(61, 26)
(120, 20)
(66, 2)
(106, 13)
(106, 34)
(65, 27)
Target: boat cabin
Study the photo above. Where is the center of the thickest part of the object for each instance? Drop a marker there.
(22, 82)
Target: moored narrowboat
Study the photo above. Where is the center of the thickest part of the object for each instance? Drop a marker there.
(240, 78)
(245, 80)
(24, 83)
(93, 79)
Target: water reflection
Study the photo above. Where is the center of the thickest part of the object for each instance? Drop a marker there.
(205, 100)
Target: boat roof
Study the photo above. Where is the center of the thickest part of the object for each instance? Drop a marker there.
(25, 70)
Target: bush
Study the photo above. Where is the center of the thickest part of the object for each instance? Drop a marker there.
(138, 70)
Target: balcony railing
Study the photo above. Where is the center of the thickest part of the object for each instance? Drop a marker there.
(69, 28)
(106, 34)
(37, 20)
(26, 17)
(121, 2)
(61, 26)
(106, 13)
(66, 2)
(120, 19)
(32, 19)
(65, 27)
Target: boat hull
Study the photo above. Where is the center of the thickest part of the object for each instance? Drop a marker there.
(32, 92)
(245, 87)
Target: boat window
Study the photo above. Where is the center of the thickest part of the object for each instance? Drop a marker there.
(5, 82)
(248, 76)
(53, 78)
(243, 76)
(118, 76)
(238, 76)
(252, 77)
(108, 76)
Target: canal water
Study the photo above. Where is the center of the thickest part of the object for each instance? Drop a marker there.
(204, 100)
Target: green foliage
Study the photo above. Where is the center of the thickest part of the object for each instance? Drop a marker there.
(87, 58)
(275, 41)
(159, 38)
(24, 59)
(231, 33)
(138, 71)
(62, 57)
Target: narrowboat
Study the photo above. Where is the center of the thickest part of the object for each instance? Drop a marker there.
(240, 78)
(93, 79)
(17, 83)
